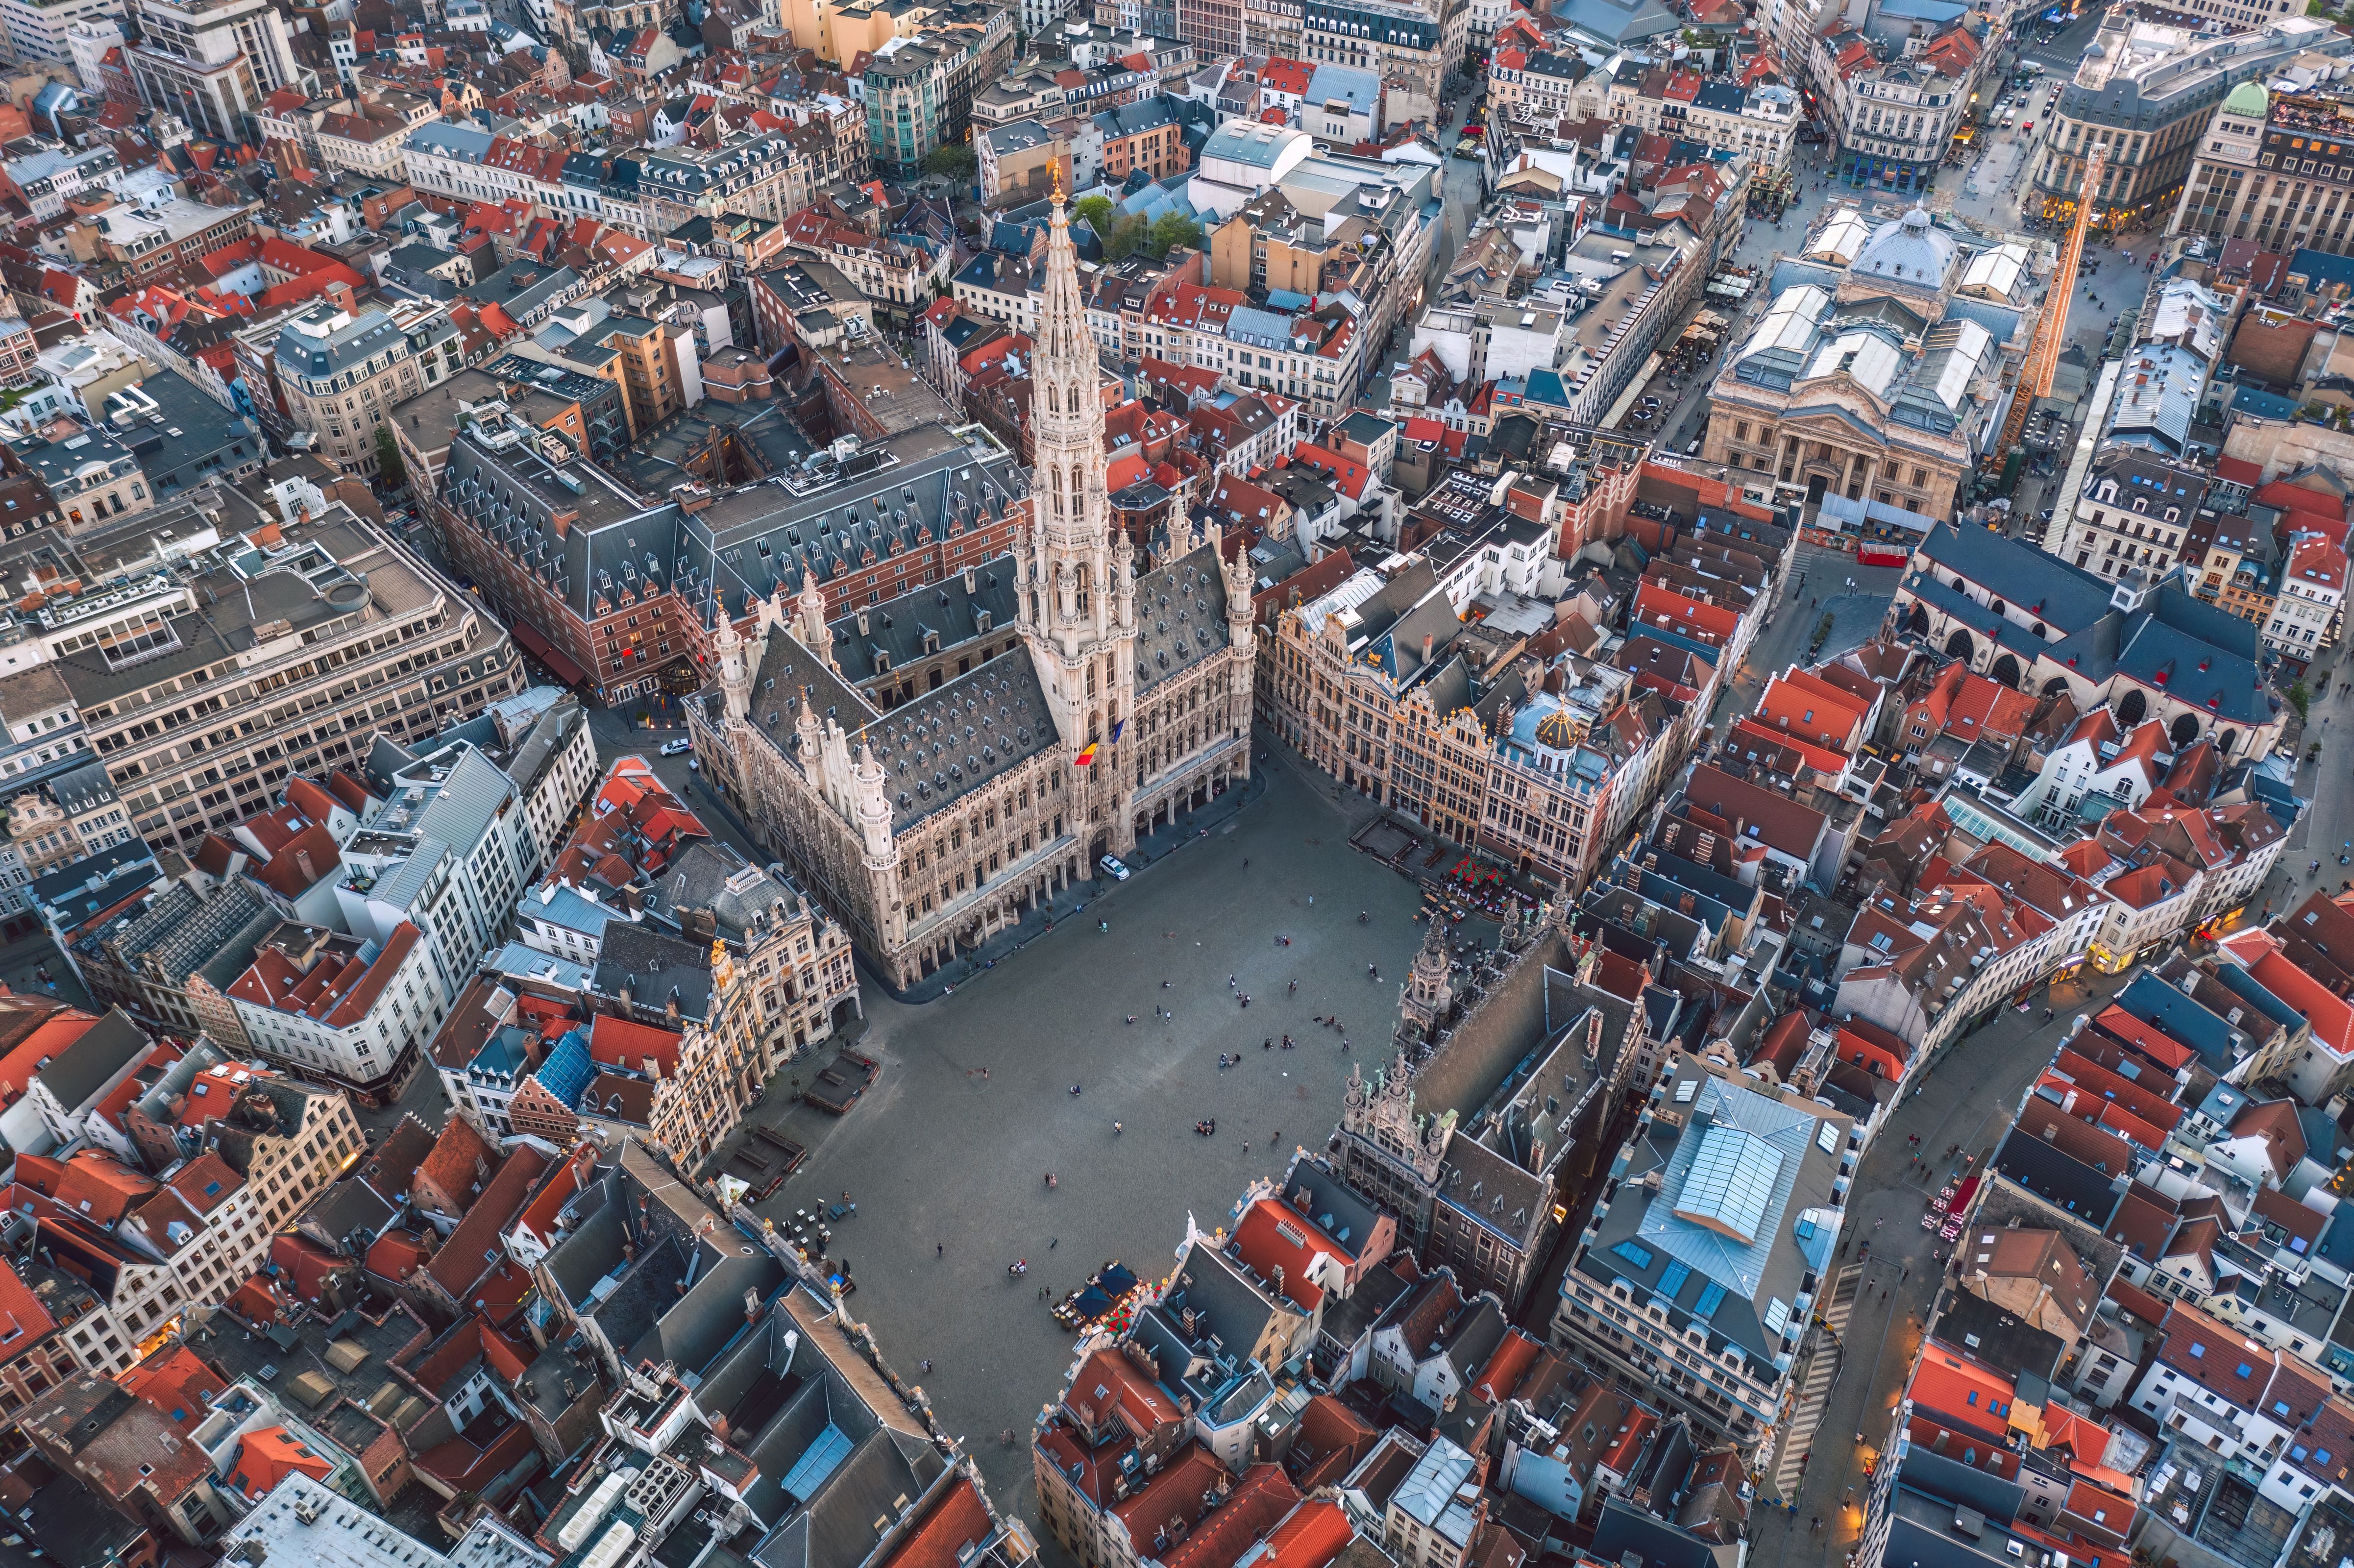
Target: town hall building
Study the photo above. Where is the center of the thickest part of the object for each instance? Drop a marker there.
(941, 762)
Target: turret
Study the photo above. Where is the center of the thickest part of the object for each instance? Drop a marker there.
(808, 623)
(735, 667)
(870, 783)
(810, 744)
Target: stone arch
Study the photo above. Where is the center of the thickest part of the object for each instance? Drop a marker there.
(1959, 646)
(1918, 623)
(2055, 685)
(2006, 670)
(2132, 709)
(2183, 731)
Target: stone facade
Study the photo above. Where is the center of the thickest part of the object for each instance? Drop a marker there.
(931, 820)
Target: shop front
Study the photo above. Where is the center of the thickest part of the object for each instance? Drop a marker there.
(1867, 170)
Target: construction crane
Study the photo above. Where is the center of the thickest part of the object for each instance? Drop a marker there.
(2051, 326)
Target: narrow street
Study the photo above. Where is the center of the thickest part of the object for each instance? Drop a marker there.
(1966, 1099)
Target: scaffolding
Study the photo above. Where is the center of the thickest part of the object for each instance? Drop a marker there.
(2052, 325)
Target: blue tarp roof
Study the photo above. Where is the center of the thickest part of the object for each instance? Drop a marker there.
(569, 1068)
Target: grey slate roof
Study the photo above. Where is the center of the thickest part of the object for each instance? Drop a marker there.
(190, 437)
(895, 630)
(2072, 597)
(1181, 616)
(470, 796)
(85, 789)
(714, 876)
(920, 485)
(934, 748)
(836, 1528)
(83, 1069)
(657, 970)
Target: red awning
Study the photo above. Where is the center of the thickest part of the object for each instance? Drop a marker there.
(539, 648)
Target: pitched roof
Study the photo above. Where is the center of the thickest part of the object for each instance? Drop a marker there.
(457, 1155)
(177, 1382)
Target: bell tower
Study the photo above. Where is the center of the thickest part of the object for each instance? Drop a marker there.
(1078, 604)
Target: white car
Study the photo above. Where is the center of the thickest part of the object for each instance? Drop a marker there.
(1117, 872)
(676, 748)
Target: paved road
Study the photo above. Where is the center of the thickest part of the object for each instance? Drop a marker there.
(1968, 1099)
(951, 1148)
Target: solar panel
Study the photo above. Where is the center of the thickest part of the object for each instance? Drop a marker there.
(1730, 1183)
(1673, 1280)
(1777, 1315)
(1828, 1139)
(1634, 1253)
(1712, 1296)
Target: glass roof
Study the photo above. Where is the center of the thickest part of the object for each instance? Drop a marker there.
(1732, 1182)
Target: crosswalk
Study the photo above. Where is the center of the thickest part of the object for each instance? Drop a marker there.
(1822, 1372)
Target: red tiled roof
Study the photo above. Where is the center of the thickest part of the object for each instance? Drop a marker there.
(339, 990)
(459, 1267)
(268, 1456)
(454, 1162)
(2212, 1354)
(45, 1044)
(623, 1042)
(1954, 1384)
(1315, 1534)
(1273, 1236)
(1504, 1369)
(1108, 1387)
(177, 1382)
(100, 1188)
(206, 1182)
(1262, 1500)
(958, 1522)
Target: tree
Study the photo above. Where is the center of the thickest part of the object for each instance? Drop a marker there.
(388, 459)
(1098, 213)
(1172, 229)
(2299, 698)
(1129, 232)
(958, 163)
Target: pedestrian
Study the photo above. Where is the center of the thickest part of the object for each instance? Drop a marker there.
(1054, 1241)
(940, 1249)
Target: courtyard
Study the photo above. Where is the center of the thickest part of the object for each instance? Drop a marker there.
(947, 1155)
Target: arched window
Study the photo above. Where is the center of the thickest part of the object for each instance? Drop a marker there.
(2183, 731)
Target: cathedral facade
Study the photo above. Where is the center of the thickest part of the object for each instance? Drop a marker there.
(940, 763)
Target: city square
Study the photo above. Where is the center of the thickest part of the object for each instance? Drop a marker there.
(947, 1155)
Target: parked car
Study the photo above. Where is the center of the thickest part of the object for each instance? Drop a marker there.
(676, 748)
(1114, 869)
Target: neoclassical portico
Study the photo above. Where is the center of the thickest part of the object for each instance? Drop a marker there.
(1861, 379)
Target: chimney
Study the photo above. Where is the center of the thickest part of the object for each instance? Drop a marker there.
(1425, 647)
(340, 294)
(302, 862)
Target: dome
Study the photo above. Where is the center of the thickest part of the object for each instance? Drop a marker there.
(1554, 730)
(1912, 249)
(2248, 99)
